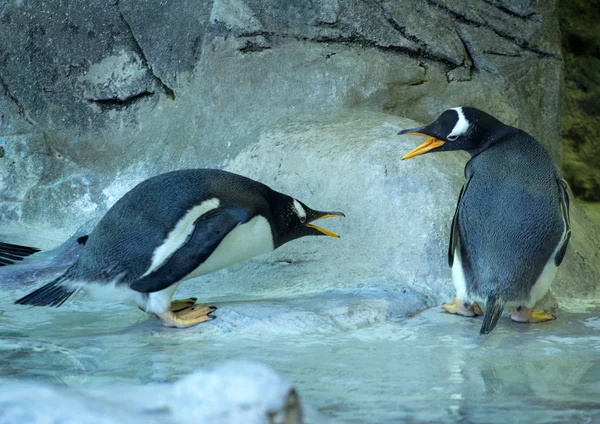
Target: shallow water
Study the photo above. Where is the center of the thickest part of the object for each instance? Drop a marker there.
(433, 367)
(350, 354)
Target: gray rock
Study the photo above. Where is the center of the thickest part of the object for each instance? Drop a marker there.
(25, 157)
(388, 240)
(577, 285)
(45, 49)
(492, 15)
(118, 78)
(66, 203)
(168, 35)
(432, 28)
(235, 15)
(151, 85)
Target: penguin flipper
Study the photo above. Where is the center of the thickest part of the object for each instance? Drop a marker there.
(564, 208)
(454, 228)
(209, 230)
(9, 253)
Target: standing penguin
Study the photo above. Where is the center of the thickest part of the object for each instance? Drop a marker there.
(177, 226)
(511, 226)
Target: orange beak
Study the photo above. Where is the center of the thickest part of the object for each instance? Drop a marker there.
(430, 144)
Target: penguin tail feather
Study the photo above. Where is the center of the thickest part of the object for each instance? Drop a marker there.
(54, 293)
(9, 253)
(493, 311)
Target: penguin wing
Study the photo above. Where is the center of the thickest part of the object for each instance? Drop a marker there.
(209, 230)
(564, 208)
(454, 228)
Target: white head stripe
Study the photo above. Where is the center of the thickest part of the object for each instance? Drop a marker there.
(299, 209)
(179, 235)
(462, 125)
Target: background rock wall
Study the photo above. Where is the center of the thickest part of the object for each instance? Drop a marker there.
(99, 95)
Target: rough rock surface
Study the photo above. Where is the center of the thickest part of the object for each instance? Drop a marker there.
(107, 91)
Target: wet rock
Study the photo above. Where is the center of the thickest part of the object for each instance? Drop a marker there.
(76, 197)
(236, 392)
(229, 393)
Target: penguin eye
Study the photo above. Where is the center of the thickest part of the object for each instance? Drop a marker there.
(451, 137)
(299, 210)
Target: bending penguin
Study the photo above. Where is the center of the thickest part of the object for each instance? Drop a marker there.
(177, 226)
(511, 226)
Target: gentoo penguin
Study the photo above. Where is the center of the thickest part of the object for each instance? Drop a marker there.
(177, 226)
(511, 225)
(9, 253)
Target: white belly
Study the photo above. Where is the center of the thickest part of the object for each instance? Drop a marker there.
(244, 242)
(539, 289)
(542, 285)
(458, 275)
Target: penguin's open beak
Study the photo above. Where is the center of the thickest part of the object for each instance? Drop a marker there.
(314, 215)
(430, 144)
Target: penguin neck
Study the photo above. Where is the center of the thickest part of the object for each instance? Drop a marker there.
(491, 137)
(278, 217)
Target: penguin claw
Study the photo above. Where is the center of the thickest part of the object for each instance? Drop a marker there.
(194, 312)
(181, 304)
(529, 315)
(459, 307)
(187, 317)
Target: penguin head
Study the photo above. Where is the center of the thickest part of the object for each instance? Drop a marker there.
(292, 219)
(460, 128)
